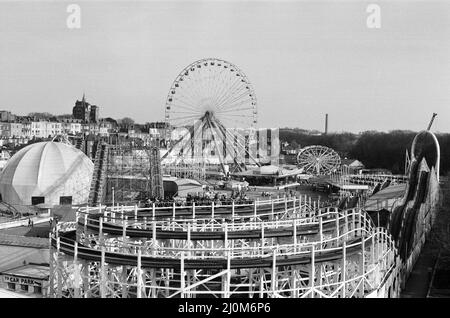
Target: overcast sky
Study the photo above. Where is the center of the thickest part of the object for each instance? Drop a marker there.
(304, 58)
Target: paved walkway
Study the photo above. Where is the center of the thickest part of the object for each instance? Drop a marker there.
(18, 240)
(420, 278)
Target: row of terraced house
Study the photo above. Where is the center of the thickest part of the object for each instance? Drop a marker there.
(85, 120)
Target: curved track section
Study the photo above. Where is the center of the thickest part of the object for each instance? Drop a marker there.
(281, 248)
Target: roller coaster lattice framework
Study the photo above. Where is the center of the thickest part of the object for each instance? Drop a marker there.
(288, 247)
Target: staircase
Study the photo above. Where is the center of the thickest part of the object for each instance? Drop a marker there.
(99, 175)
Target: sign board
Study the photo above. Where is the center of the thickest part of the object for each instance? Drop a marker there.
(21, 280)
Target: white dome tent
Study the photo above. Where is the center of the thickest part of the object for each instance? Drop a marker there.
(47, 172)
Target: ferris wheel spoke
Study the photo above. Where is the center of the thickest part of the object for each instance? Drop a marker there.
(327, 165)
(214, 82)
(318, 153)
(222, 85)
(227, 90)
(308, 165)
(305, 166)
(208, 80)
(189, 87)
(182, 104)
(203, 82)
(325, 153)
(183, 91)
(231, 103)
(230, 91)
(240, 108)
(232, 95)
(308, 160)
(195, 86)
(185, 110)
(188, 99)
(233, 111)
(186, 104)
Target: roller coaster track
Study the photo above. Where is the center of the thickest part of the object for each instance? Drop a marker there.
(111, 238)
(325, 222)
(67, 246)
(294, 254)
(256, 208)
(99, 174)
(375, 179)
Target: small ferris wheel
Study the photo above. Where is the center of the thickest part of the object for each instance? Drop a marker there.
(318, 160)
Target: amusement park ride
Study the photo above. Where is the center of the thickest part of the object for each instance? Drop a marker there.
(318, 160)
(207, 101)
(291, 246)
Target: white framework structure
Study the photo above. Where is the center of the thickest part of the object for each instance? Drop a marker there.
(276, 248)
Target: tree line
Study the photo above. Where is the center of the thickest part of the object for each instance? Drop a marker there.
(374, 149)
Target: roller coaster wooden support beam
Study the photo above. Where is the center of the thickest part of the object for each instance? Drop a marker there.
(273, 280)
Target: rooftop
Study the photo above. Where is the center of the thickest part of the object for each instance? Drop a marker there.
(384, 199)
(29, 271)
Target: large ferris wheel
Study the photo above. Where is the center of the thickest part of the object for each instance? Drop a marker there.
(210, 95)
(211, 88)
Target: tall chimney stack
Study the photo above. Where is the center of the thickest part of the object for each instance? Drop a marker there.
(326, 124)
